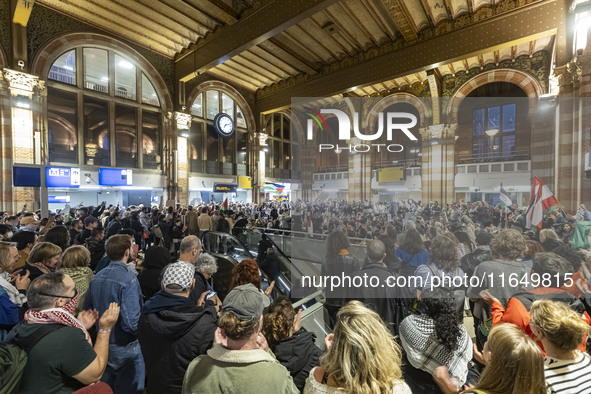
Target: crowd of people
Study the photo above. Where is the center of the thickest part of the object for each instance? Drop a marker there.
(114, 299)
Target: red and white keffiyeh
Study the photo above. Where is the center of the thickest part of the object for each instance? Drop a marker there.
(61, 315)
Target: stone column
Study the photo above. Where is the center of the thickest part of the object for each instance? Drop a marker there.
(21, 109)
(183, 123)
(359, 175)
(437, 167)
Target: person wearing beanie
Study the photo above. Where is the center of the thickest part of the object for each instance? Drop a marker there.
(172, 330)
(239, 360)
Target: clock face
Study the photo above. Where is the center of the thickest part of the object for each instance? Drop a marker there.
(224, 125)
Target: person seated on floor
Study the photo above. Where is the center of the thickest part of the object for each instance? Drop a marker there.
(293, 346)
(239, 361)
(172, 330)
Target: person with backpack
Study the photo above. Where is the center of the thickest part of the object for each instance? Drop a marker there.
(59, 352)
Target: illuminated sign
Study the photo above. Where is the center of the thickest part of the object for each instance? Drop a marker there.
(115, 177)
(224, 188)
(62, 177)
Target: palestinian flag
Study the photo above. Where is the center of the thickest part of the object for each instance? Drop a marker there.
(273, 188)
(224, 206)
(504, 198)
(581, 236)
(541, 201)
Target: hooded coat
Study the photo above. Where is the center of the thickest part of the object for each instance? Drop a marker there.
(157, 257)
(172, 331)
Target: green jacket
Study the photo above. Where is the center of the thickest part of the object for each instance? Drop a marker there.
(223, 370)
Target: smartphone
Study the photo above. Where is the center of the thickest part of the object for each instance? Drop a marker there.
(211, 295)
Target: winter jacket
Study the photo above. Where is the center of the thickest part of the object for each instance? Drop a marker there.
(172, 331)
(97, 251)
(299, 354)
(343, 263)
(469, 262)
(222, 370)
(192, 222)
(518, 307)
(157, 257)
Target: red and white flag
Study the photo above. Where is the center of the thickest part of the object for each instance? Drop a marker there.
(541, 200)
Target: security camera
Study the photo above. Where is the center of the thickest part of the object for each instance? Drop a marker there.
(184, 108)
(21, 63)
(88, 179)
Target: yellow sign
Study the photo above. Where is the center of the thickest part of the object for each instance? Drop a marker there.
(22, 12)
(395, 174)
(244, 182)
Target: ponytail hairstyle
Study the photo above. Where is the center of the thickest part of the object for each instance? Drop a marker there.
(278, 322)
(439, 305)
(559, 324)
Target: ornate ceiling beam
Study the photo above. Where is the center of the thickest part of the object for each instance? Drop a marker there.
(216, 9)
(402, 19)
(375, 66)
(254, 27)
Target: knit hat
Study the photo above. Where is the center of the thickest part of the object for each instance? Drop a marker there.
(178, 276)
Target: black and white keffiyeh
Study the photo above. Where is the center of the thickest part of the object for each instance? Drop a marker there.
(180, 274)
(425, 352)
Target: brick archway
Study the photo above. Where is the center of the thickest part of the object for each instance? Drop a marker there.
(423, 110)
(229, 90)
(47, 54)
(527, 82)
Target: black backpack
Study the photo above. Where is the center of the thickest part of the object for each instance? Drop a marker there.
(13, 356)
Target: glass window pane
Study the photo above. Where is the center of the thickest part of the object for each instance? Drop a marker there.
(240, 120)
(286, 156)
(64, 68)
(196, 153)
(242, 147)
(96, 132)
(151, 140)
(478, 149)
(61, 124)
(228, 150)
(508, 118)
(508, 146)
(96, 69)
(149, 95)
(124, 78)
(212, 143)
(197, 107)
(494, 152)
(478, 123)
(126, 136)
(227, 105)
(286, 131)
(213, 103)
(494, 116)
(276, 154)
(276, 132)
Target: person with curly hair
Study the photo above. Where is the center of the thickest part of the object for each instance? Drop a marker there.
(432, 339)
(293, 346)
(362, 356)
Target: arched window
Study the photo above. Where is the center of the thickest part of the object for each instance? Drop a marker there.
(102, 99)
(209, 152)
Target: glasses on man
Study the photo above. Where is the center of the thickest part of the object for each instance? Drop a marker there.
(60, 296)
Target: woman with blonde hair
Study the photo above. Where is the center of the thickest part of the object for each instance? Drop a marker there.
(43, 259)
(561, 330)
(74, 263)
(361, 357)
(549, 239)
(514, 364)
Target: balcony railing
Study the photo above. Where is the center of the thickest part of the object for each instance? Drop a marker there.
(506, 166)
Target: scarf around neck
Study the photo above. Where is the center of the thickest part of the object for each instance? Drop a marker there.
(60, 316)
(15, 296)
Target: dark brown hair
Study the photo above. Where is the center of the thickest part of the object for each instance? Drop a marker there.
(246, 271)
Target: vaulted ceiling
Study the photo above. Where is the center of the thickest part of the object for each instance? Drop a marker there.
(269, 45)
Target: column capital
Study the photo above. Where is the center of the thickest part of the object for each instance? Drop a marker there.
(21, 83)
(182, 120)
(570, 74)
(440, 131)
